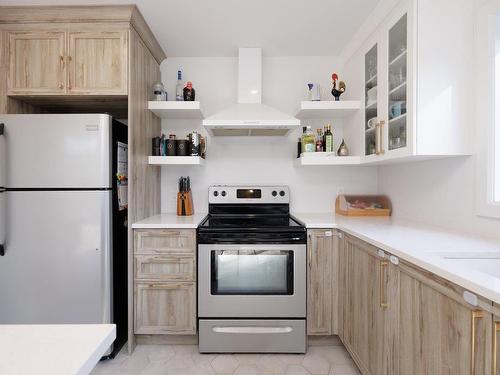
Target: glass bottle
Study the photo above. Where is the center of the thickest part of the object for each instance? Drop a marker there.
(319, 140)
(308, 141)
(328, 138)
(179, 94)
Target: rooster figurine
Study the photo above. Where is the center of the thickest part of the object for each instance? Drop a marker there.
(336, 92)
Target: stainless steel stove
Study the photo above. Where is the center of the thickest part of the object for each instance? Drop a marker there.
(251, 272)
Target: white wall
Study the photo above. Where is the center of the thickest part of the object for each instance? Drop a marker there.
(438, 192)
(263, 160)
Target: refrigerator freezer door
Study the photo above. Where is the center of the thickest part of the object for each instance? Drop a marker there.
(57, 151)
(56, 268)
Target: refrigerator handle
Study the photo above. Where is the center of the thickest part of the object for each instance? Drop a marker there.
(3, 222)
(3, 163)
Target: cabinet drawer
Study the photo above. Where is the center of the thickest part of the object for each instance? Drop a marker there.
(165, 268)
(165, 308)
(160, 241)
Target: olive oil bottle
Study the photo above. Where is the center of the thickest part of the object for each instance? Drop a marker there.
(328, 139)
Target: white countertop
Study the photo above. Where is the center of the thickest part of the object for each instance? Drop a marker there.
(170, 221)
(53, 349)
(425, 246)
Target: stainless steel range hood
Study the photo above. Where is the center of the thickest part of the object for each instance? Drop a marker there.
(249, 117)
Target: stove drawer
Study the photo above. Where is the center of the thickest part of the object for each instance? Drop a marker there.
(165, 268)
(252, 336)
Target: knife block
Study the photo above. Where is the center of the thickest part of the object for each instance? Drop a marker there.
(185, 204)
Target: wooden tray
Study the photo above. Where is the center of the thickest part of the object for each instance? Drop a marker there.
(344, 203)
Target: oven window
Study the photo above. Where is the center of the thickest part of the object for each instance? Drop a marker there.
(251, 272)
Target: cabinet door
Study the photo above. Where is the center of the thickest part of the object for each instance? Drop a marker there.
(165, 308)
(371, 127)
(98, 63)
(438, 332)
(366, 331)
(399, 83)
(37, 63)
(321, 250)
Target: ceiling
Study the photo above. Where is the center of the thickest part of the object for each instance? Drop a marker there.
(219, 27)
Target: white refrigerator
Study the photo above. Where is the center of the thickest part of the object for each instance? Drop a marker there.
(57, 212)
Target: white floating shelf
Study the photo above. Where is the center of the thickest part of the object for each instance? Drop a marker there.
(327, 109)
(176, 110)
(176, 160)
(326, 158)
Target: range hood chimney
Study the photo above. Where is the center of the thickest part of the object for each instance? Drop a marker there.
(249, 117)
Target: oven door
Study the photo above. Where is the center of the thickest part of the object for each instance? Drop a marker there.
(252, 281)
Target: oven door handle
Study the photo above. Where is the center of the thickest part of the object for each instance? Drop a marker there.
(252, 329)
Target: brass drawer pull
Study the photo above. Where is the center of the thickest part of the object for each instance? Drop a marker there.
(496, 330)
(476, 314)
(383, 294)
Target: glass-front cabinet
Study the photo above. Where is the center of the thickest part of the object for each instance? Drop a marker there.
(397, 84)
(371, 102)
(387, 95)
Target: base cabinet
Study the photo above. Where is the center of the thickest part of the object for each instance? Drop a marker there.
(168, 308)
(396, 318)
(165, 282)
(366, 330)
(439, 333)
(322, 284)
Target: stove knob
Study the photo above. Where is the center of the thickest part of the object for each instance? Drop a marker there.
(216, 193)
(223, 193)
(274, 193)
(282, 193)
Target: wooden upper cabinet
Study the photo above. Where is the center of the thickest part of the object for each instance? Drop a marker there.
(97, 63)
(37, 63)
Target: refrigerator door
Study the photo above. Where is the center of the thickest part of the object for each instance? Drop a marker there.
(57, 151)
(56, 268)
(3, 155)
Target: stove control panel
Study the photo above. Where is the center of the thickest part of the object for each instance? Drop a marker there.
(248, 194)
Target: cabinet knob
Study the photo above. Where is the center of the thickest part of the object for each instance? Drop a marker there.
(61, 86)
(340, 235)
(394, 260)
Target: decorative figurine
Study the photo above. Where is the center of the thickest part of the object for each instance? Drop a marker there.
(343, 150)
(189, 92)
(341, 89)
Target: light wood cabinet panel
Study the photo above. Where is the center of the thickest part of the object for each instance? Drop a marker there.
(321, 298)
(37, 63)
(161, 241)
(366, 302)
(98, 62)
(165, 268)
(496, 346)
(165, 308)
(438, 332)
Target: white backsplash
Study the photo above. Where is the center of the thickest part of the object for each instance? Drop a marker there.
(262, 160)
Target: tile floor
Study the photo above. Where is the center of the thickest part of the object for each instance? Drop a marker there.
(185, 360)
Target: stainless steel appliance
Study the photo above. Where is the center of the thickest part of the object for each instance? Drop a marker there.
(63, 237)
(251, 272)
